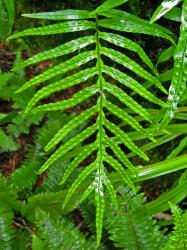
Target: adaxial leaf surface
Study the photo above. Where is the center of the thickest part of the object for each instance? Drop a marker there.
(101, 80)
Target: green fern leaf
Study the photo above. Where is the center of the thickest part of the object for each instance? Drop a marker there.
(111, 190)
(75, 122)
(60, 233)
(65, 27)
(83, 175)
(178, 238)
(101, 87)
(124, 138)
(68, 146)
(7, 144)
(134, 85)
(182, 145)
(109, 4)
(165, 7)
(131, 227)
(128, 101)
(62, 105)
(7, 233)
(87, 192)
(78, 159)
(61, 50)
(100, 205)
(123, 21)
(128, 44)
(119, 154)
(130, 64)
(37, 243)
(24, 177)
(174, 14)
(61, 15)
(60, 69)
(119, 168)
(178, 83)
(54, 87)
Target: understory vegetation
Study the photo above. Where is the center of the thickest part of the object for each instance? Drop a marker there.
(93, 125)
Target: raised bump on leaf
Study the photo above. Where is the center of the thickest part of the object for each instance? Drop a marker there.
(88, 150)
(64, 27)
(119, 154)
(126, 43)
(60, 15)
(133, 84)
(68, 146)
(125, 139)
(82, 176)
(72, 124)
(178, 83)
(61, 50)
(59, 69)
(62, 105)
(124, 116)
(128, 101)
(65, 83)
(131, 65)
(119, 168)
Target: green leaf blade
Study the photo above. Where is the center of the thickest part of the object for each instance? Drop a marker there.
(65, 27)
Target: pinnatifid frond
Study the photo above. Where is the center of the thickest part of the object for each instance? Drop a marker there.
(178, 83)
(101, 80)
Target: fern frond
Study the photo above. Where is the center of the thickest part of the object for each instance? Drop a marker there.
(89, 149)
(8, 195)
(24, 177)
(60, 69)
(7, 204)
(134, 85)
(119, 153)
(82, 176)
(124, 42)
(107, 5)
(62, 105)
(178, 83)
(68, 146)
(165, 7)
(98, 84)
(124, 138)
(64, 27)
(126, 22)
(75, 122)
(130, 64)
(61, 50)
(182, 145)
(60, 233)
(7, 233)
(119, 168)
(100, 205)
(37, 243)
(61, 15)
(7, 143)
(131, 227)
(128, 101)
(178, 238)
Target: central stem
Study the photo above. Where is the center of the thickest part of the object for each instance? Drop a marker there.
(100, 82)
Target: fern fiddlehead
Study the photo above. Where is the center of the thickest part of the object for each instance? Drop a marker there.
(103, 126)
